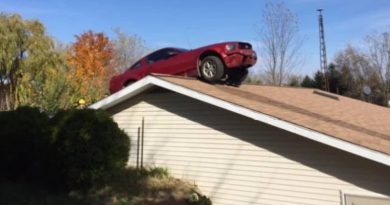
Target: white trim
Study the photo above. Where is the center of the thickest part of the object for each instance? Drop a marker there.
(126, 93)
(342, 197)
(149, 81)
(356, 193)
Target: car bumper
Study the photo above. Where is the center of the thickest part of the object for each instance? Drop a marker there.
(242, 58)
(115, 84)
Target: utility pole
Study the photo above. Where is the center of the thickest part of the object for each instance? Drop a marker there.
(324, 65)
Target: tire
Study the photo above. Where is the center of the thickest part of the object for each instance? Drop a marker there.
(212, 69)
(237, 76)
(242, 74)
(127, 83)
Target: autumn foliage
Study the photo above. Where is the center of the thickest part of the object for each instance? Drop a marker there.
(91, 63)
(36, 70)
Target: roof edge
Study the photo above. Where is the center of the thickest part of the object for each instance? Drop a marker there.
(122, 95)
(150, 81)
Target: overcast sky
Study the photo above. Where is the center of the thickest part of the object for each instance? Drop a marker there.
(194, 23)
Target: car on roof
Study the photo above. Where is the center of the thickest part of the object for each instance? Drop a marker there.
(222, 62)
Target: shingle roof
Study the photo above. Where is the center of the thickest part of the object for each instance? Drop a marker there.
(344, 118)
(354, 126)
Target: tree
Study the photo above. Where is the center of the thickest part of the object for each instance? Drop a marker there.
(127, 49)
(30, 68)
(318, 79)
(91, 61)
(355, 68)
(357, 71)
(336, 82)
(294, 81)
(307, 82)
(379, 57)
(254, 79)
(280, 42)
(46, 87)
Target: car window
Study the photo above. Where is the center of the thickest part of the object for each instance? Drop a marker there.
(136, 65)
(171, 52)
(161, 55)
(154, 57)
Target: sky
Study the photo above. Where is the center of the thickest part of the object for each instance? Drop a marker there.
(195, 23)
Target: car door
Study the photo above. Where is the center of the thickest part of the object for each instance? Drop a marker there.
(178, 61)
(157, 62)
(166, 61)
(186, 62)
(137, 71)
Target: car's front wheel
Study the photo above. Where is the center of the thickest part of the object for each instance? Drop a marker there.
(211, 69)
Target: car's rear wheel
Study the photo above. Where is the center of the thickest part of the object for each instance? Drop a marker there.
(212, 69)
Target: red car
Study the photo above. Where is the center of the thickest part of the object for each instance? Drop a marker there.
(227, 62)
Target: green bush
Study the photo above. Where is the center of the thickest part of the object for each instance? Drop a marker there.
(24, 143)
(88, 148)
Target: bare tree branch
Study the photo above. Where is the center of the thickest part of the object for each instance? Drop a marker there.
(128, 49)
(379, 56)
(279, 35)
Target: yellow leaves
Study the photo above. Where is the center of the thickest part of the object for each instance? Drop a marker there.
(91, 62)
(90, 55)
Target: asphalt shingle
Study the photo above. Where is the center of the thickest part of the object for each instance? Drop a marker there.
(344, 118)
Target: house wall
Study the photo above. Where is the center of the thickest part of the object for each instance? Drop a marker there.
(237, 160)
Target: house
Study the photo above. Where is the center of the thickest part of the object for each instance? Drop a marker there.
(259, 144)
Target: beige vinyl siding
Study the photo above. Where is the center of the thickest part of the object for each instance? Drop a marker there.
(237, 160)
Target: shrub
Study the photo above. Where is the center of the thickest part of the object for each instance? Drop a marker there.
(197, 198)
(23, 143)
(157, 172)
(88, 148)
